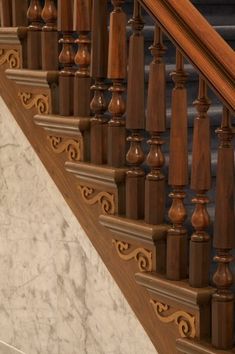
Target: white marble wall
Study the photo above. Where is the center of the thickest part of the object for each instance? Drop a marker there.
(56, 295)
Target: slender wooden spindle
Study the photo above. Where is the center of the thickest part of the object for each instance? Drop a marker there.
(224, 239)
(34, 51)
(6, 13)
(156, 125)
(99, 73)
(117, 72)
(199, 259)
(178, 175)
(66, 57)
(49, 36)
(82, 81)
(135, 177)
(19, 13)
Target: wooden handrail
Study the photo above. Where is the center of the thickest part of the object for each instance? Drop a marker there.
(199, 42)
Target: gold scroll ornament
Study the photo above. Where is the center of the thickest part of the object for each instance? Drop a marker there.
(140, 255)
(104, 199)
(71, 146)
(10, 56)
(184, 321)
(39, 101)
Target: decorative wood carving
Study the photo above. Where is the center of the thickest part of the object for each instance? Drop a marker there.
(117, 72)
(200, 247)
(10, 56)
(49, 36)
(184, 321)
(99, 73)
(34, 57)
(73, 147)
(104, 199)
(178, 175)
(155, 185)
(82, 81)
(66, 57)
(142, 256)
(224, 240)
(38, 101)
(135, 176)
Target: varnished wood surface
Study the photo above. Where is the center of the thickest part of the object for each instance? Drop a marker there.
(88, 217)
(201, 44)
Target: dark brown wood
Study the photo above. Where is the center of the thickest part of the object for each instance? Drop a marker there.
(117, 72)
(49, 36)
(6, 13)
(66, 57)
(155, 185)
(34, 50)
(99, 128)
(82, 81)
(200, 246)
(178, 175)
(224, 239)
(19, 13)
(135, 121)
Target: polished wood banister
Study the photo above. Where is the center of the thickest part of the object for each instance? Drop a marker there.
(199, 42)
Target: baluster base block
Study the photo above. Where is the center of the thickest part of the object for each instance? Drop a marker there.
(82, 96)
(50, 50)
(199, 257)
(177, 255)
(116, 146)
(66, 86)
(99, 134)
(154, 201)
(34, 51)
(135, 195)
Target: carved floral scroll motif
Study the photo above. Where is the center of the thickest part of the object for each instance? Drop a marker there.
(10, 56)
(142, 256)
(104, 199)
(184, 321)
(73, 147)
(39, 101)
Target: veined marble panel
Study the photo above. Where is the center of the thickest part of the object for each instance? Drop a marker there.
(57, 297)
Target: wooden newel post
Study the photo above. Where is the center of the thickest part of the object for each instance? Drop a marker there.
(177, 250)
(135, 177)
(34, 50)
(66, 57)
(155, 185)
(6, 13)
(99, 59)
(200, 245)
(117, 72)
(82, 81)
(49, 36)
(19, 13)
(224, 239)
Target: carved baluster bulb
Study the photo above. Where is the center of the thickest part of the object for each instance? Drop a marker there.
(49, 14)
(34, 12)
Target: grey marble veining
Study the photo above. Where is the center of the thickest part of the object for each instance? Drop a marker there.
(57, 297)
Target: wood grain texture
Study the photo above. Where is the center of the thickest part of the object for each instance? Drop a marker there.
(199, 42)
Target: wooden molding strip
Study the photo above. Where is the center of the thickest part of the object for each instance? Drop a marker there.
(199, 42)
(70, 126)
(189, 346)
(12, 35)
(33, 78)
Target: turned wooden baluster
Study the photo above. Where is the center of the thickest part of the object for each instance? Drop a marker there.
(135, 177)
(66, 57)
(156, 124)
(99, 73)
(224, 239)
(178, 176)
(6, 13)
(34, 51)
(82, 81)
(49, 36)
(117, 72)
(200, 246)
(19, 13)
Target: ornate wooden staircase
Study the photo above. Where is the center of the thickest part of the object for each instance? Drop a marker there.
(115, 163)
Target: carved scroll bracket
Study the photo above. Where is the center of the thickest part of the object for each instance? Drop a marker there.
(184, 321)
(104, 199)
(73, 147)
(10, 56)
(141, 255)
(31, 100)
